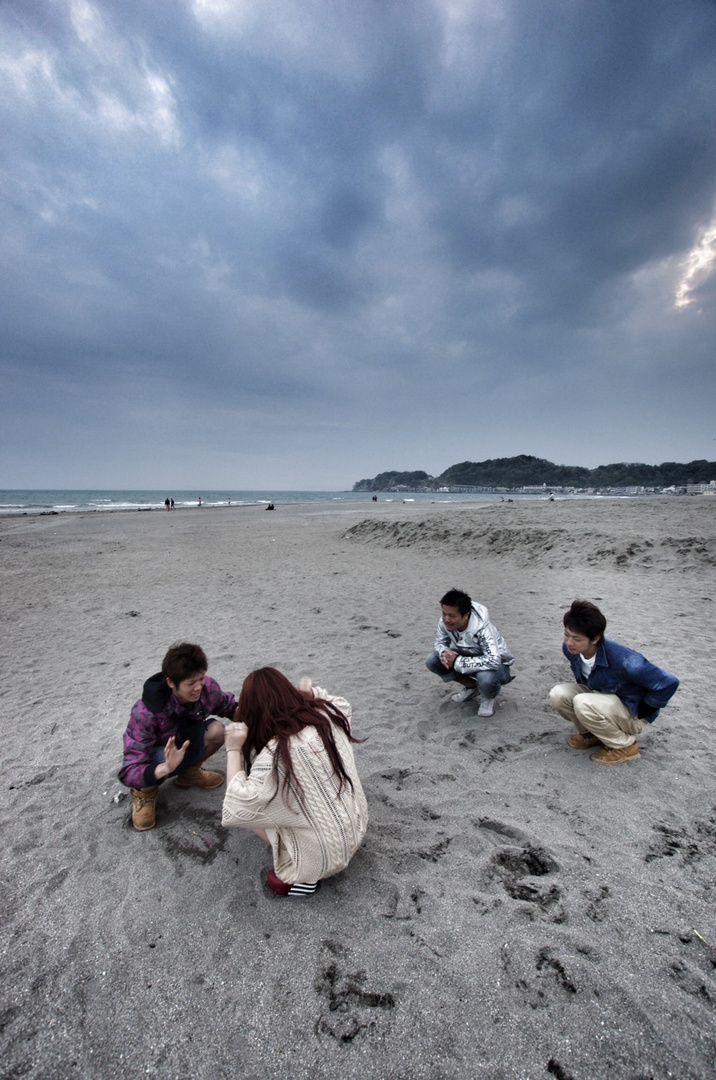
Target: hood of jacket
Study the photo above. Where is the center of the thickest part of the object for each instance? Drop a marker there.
(479, 612)
(156, 693)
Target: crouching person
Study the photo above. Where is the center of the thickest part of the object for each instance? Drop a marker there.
(616, 694)
(173, 729)
(292, 779)
(470, 650)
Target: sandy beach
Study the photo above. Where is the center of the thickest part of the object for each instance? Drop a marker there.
(516, 912)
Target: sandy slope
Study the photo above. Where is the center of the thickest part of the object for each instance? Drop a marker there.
(517, 911)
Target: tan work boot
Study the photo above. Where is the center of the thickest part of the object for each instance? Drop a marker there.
(198, 777)
(615, 755)
(144, 808)
(583, 740)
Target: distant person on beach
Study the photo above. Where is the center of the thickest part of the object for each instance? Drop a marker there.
(291, 779)
(617, 692)
(470, 650)
(173, 729)
(167, 504)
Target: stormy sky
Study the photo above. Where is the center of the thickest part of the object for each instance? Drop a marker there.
(294, 243)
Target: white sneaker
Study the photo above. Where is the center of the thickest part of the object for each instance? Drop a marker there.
(465, 695)
(487, 707)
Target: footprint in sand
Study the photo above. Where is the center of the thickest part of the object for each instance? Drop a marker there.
(350, 1009)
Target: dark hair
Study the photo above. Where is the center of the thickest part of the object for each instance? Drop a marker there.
(458, 599)
(182, 661)
(273, 708)
(585, 618)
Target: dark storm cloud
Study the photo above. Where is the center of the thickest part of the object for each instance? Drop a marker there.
(375, 208)
(584, 150)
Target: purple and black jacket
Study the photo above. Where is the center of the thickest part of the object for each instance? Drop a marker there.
(157, 716)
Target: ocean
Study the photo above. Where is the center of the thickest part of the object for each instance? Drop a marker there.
(73, 501)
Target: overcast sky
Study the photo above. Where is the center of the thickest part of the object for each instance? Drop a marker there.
(294, 243)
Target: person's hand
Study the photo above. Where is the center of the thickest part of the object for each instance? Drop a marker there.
(305, 684)
(235, 736)
(173, 754)
(448, 658)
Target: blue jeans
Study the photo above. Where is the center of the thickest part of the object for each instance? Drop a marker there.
(488, 682)
(194, 754)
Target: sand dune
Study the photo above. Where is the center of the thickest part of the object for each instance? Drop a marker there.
(561, 534)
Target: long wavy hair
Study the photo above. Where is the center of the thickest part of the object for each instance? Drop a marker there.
(273, 708)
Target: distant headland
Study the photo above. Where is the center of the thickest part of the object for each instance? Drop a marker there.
(526, 473)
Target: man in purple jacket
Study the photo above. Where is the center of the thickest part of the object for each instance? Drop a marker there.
(617, 692)
(173, 729)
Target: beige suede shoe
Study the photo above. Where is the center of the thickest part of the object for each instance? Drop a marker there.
(144, 809)
(198, 777)
(583, 740)
(614, 756)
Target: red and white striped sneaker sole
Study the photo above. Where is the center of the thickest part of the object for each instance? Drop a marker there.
(284, 888)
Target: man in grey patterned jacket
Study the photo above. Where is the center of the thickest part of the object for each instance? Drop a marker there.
(470, 650)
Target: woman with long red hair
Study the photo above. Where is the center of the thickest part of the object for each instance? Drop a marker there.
(291, 779)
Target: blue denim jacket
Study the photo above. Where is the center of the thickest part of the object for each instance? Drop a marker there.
(643, 687)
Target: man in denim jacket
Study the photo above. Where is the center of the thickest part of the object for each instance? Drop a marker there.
(617, 692)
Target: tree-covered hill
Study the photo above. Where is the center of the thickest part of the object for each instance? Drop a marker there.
(385, 481)
(527, 471)
(514, 472)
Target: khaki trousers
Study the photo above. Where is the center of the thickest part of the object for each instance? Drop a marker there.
(604, 715)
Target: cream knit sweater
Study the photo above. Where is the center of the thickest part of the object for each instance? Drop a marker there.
(312, 837)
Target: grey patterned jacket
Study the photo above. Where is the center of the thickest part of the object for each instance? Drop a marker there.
(480, 645)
